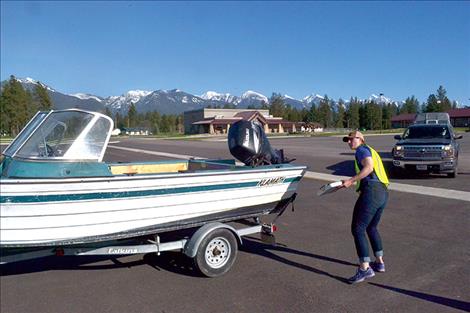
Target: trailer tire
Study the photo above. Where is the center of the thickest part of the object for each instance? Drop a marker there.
(216, 253)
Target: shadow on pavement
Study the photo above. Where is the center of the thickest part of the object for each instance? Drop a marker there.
(170, 261)
(343, 168)
(64, 263)
(456, 304)
(252, 245)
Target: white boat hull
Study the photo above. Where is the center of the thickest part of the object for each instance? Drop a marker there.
(70, 211)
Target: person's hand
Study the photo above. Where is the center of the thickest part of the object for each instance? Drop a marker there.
(348, 183)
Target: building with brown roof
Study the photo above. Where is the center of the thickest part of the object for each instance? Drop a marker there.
(218, 121)
(458, 118)
(402, 120)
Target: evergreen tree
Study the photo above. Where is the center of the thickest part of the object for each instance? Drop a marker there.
(431, 104)
(444, 103)
(132, 116)
(179, 123)
(371, 115)
(353, 114)
(324, 112)
(387, 113)
(16, 107)
(166, 124)
(411, 105)
(155, 121)
(229, 106)
(341, 114)
(304, 115)
(119, 121)
(376, 115)
(6, 114)
(277, 107)
(41, 98)
(294, 115)
(312, 115)
(264, 105)
(107, 112)
(439, 102)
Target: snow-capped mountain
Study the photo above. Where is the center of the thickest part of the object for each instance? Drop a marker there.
(294, 103)
(169, 102)
(64, 101)
(251, 98)
(174, 101)
(380, 99)
(312, 99)
(219, 97)
(30, 82)
(123, 102)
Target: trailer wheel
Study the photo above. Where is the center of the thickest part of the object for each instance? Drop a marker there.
(216, 253)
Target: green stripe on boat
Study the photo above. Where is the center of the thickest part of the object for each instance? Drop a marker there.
(130, 194)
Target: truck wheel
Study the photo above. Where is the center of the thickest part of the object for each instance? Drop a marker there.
(216, 253)
(452, 175)
(396, 172)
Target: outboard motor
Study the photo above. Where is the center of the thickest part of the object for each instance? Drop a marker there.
(248, 143)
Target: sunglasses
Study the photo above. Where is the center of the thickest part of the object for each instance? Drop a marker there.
(349, 139)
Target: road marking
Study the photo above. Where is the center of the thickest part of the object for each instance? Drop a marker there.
(422, 190)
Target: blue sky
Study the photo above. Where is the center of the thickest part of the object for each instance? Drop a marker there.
(341, 49)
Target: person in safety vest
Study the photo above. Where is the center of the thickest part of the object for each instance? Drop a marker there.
(371, 183)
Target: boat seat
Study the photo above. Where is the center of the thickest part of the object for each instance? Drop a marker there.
(133, 169)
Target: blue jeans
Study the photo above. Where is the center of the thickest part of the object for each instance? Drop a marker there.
(366, 216)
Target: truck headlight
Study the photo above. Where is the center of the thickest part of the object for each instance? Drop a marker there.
(398, 151)
(448, 151)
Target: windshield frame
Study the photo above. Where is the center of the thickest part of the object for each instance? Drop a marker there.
(25, 133)
(85, 144)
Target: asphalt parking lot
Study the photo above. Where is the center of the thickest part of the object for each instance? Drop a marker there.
(425, 242)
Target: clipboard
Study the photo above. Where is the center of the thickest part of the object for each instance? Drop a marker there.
(329, 188)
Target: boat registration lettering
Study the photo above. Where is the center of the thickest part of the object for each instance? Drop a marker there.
(122, 250)
(271, 181)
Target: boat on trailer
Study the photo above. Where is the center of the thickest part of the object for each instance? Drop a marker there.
(56, 191)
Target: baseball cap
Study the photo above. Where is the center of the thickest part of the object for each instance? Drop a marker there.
(354, 134)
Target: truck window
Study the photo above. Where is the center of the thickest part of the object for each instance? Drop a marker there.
(427, 132)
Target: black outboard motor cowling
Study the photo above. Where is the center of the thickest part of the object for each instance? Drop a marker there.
(248, 143)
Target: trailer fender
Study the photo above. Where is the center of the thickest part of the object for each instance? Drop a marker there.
(191, 247)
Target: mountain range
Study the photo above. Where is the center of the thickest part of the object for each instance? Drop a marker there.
(173, 101)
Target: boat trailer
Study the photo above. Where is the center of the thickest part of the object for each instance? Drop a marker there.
(213, 247)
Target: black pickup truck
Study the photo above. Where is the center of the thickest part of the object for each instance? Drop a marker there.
(427, 148)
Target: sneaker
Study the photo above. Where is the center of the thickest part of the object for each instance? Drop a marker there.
(361, 275)
(378, 267)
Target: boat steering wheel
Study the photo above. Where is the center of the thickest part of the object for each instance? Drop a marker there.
(50, 151)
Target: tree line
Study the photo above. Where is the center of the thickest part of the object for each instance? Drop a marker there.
(358, 114)
(18, 105)
(153, 121)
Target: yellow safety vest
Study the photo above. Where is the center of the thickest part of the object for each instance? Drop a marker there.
(379, 169)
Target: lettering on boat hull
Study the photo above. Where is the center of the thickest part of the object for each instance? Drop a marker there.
(271, 181)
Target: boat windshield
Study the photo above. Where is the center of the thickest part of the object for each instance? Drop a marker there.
(63, 135)
(25, 133)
